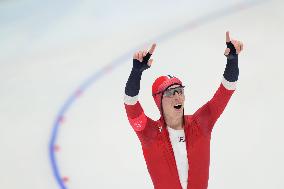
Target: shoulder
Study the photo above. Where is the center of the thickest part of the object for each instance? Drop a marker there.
(197, 124)
(188, 119)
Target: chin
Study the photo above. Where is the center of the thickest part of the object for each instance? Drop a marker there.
(178, 114)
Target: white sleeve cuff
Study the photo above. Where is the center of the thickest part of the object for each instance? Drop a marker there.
(229, 85)
(130, 100)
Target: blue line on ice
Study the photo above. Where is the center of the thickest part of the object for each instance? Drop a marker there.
(122, 59)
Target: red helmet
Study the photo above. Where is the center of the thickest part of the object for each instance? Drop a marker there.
(160, 85)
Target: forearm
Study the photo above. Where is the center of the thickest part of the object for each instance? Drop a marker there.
(132, 87)
(231, 72)
(133, 83)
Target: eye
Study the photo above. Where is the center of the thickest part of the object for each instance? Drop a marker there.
(168, 93)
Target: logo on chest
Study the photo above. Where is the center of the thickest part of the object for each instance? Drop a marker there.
(181, 139)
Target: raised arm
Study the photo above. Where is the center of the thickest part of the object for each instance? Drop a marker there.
(208, 114)
(135, 113)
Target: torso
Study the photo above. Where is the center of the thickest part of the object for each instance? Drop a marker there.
(177, 138)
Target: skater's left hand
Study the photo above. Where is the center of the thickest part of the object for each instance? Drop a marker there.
(233, 46)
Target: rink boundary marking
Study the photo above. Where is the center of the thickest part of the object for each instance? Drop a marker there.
(59, 119)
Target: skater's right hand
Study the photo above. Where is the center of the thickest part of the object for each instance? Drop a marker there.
(141, 59)
(234, 47)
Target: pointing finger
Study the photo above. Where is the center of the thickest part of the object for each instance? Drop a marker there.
(150, 52)
(152, 48)
(228, 37)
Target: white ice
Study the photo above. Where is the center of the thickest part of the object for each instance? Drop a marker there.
(48, 49)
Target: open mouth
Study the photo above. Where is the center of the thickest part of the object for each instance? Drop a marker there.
(178, 106)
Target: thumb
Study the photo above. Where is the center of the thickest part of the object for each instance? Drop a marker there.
(227, 51)
(150, 62)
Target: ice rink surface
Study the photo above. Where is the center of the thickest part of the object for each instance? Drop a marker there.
(63, 69)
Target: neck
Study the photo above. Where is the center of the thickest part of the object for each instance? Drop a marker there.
(175, 124)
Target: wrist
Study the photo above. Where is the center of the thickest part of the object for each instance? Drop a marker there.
(136, 71)
(231, 72)
(232, 57)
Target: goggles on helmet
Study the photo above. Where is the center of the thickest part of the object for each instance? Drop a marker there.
(171, 92)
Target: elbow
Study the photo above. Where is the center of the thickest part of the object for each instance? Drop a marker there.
(138, 123)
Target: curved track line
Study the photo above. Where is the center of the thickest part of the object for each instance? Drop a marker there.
(122, 59)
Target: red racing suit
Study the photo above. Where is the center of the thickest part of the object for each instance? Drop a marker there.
(156, 145)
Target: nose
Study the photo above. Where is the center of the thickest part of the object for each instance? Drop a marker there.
(177, 96)
(175, 93)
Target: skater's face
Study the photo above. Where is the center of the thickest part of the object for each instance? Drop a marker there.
(173, 102)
